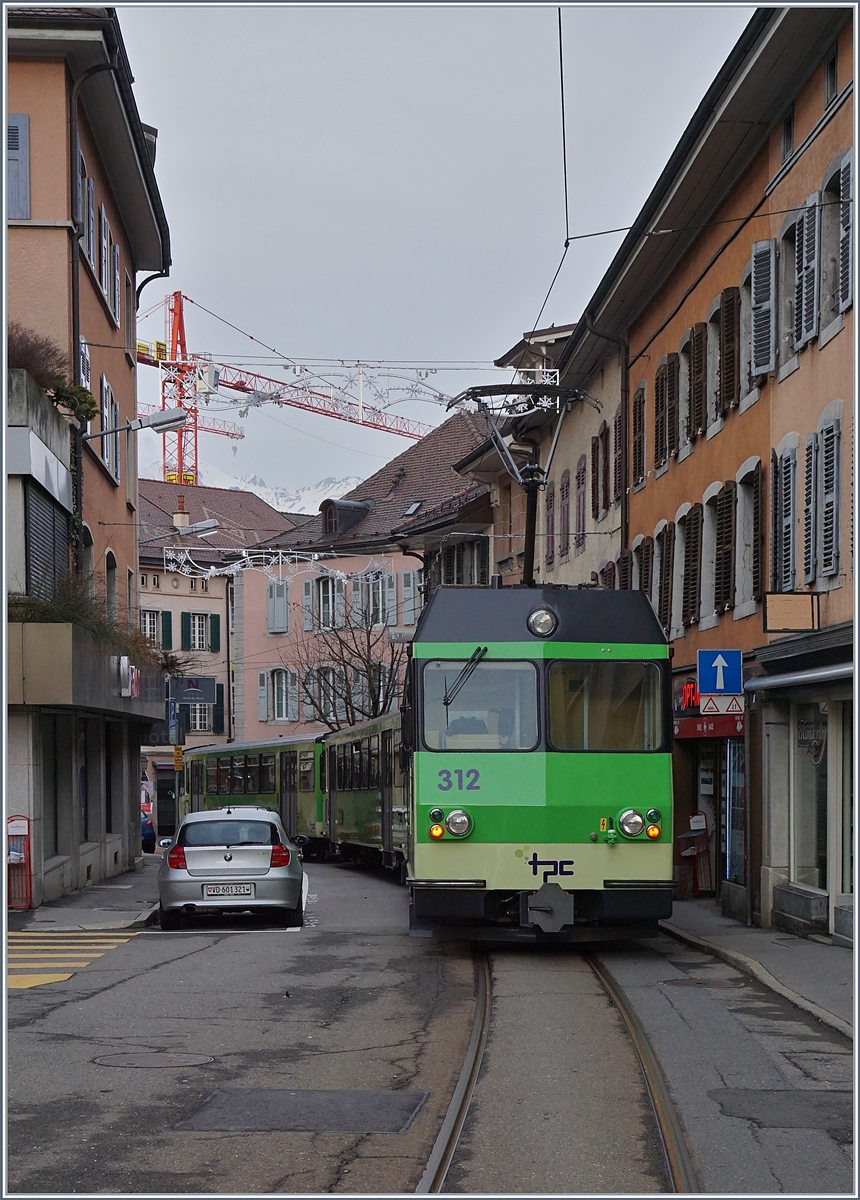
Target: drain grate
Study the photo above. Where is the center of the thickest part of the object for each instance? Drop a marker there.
(153, 1058)
(267, 1110)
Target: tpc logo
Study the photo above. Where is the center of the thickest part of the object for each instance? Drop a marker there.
(554, 866)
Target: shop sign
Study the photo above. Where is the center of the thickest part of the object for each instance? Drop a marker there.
(709, 727)
(685, 697)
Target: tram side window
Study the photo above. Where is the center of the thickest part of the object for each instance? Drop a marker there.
(252, 774)
(212, 776)
(267, 774)
(306, 771)
(605, 706)
(355, 773)
(398, 769)
(365, 763)
(225, 767)
(341, 767)
(373, 763)
(494, 709)
(323, 772)
(237, 784)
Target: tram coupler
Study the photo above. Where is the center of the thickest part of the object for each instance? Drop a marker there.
(550, 908)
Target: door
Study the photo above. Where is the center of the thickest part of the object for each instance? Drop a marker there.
(386, 783)
(165, 802)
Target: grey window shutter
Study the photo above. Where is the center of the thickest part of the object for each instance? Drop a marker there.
(282, 605)
(308, 604)
(775, 540)
(806, 287)
(167, 630)
(355, 614)
(407, 584)
(292, 695)
(846, 265)
(763, 288)
(91, 220)
(18, 166)
(339, 603)
(270, 606)
(830, 440)
(105, 247)
(116, 289)
(262, 695)
(391, 599)
(787, 485)
(810, 495)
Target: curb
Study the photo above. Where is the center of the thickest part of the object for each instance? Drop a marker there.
(750, 967)
(145, 918)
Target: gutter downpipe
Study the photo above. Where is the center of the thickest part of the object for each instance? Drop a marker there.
(77, 232)
(625, 400)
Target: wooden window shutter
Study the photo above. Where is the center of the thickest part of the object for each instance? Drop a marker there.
(691, 589)
(579, 535)
(218, 710)
(846, 265)
(550, 525)
(564, 516)
(787, 540)
(724, 559)
(810, 495)
(270, 606)
(758, 524)
(595, 477)
(763, 316)
(830, 439)
(482, 561)
(775, 540)
(646, 564)
(639, 436)
(307, 604)
(811, 281)
(730, 306)
(605, 479)
(617, 455)
(214, 633)
(185, 630)
(660, 416)
(625, 570)
(104, 266)
(607, 576)
(667, 565)
(459, 554)
(166, 630)
(18, 166)
(698, 379)
(673, 367)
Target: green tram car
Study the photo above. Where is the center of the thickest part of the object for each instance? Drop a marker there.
(538, 727)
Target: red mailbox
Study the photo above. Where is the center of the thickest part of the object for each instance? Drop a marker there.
(19, 875)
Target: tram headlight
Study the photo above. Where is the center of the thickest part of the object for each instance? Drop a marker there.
(542, 622)
(631, 822)
(459, 823)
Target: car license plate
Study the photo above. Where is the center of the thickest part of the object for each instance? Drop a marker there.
(210, 890)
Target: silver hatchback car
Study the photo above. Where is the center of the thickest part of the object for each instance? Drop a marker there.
(231, 860)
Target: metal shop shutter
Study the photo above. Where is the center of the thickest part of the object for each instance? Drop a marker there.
(47, 541)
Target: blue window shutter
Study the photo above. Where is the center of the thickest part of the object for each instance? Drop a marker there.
(810, 496)
(788, 483)
(270, 606)
(339, 603)
(218, 710)
(18, 166)
(355, 614)
(830, 446)
(408, 597)
(282, 608)
(185, 627)
(214, 633)
(292, 695)
(167, 630)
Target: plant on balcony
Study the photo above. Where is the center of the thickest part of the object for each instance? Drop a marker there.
(48, 366)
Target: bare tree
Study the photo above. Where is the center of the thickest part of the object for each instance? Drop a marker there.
(346, 667)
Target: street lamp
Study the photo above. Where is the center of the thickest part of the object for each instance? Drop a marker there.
(162, 421)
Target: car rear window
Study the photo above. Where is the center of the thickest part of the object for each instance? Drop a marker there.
(229, 833)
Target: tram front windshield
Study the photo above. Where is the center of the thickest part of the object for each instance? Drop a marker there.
(605, 706)
(494, 709)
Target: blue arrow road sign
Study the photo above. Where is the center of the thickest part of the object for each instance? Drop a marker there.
(720, 673)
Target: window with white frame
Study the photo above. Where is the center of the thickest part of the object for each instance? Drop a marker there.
(837, 276)
(110, 421)
(149, 624)
(87, 212)
(199, 631)
(327, 602)
(109, 266)
(285, 695)
(200, 718)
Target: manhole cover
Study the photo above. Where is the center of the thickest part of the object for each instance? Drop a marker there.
(266, 1109)
(714, 983)
(153, 1058)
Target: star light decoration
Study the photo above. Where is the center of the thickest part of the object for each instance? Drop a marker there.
(274, 564)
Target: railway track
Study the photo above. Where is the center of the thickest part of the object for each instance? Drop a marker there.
(677, 1155)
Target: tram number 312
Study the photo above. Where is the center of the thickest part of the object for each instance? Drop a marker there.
(471, 785)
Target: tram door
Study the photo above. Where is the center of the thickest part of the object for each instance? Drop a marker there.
(335, 781)
(386, 780)
(289, 796)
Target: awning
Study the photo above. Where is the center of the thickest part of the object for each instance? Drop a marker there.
(801, 678)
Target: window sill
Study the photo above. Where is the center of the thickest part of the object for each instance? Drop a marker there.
(749, 400)
(661, 470)
(828, 334)
(714, 429)
(747, 609)
(788, 368)
(685, 451)
(710, 622)
(677, 633)
(637, 487)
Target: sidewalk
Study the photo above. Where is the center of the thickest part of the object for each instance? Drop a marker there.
(813, 975)
(119, 902)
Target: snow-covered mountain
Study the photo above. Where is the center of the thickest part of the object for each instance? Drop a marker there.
(296, 500)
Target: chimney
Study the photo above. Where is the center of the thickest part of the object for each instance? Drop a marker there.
(181, 519)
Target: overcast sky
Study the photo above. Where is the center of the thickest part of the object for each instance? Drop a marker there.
(386, 183)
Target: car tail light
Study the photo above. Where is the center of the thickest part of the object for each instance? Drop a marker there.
(176, 859)
(280, 856)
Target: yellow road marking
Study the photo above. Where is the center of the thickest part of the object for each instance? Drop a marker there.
(53, 953)
(29, 966)
(29, 981)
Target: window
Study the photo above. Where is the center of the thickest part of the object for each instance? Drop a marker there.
(86, 212)
(204, 585)
(639, 436)
(788, 134)
(605, 706)
(156, 581)
(550, 526)
(111, 596)
(374, 600)
(329, 602)
(691, 587)
(830, 80)
(143, 581)
(665, 545)
(277, 606)
(783, 519)
(698, 380)
(465, 563)
(607, 576)
(109, 266)
(285, 694)
(18, 166)
(199, 631)
(579, 516)
(410, 596)
(724, 558)
(236, 832)
(617, 455)
(47, 542)
(494, 708)
(729, 374)
(199, 718)
(600, 480)
(666, 410)
(712, 368)
(192, 585)
(149, 624)
(750, 532)
(836, 249)
(564, 517)
(645, 555)
(110, 420)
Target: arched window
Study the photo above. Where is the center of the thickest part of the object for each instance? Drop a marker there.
(564, 516)
(111, 598)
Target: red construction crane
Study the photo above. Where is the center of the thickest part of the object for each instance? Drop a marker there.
(185, 378)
